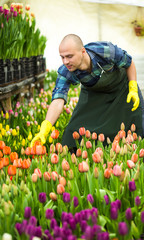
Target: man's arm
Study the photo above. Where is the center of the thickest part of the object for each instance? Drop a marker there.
(54, 110)
(131, 72)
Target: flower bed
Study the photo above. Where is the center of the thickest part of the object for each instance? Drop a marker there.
(47, 192)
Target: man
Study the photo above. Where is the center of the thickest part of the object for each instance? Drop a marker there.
(108, 78)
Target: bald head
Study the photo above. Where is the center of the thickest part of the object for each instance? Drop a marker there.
(73, 40)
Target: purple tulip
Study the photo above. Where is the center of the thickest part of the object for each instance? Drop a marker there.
(137, 201)
(132, 186)
(114, 204)
(15, 14)
(24, 225)
(72, 224)
(128, 214)
(49, 213)
(64, 216)
(38, 231)
(56, 232)
(77, 217)
(71, 237)
(53, 223)
(103, 236)
(27, 213)
(89, 233)
(11, 9)
(118, 202)
(90, 198)
(122, 228)
(96, 229)
(33, 221)
(76, 202)
(114, 213)
(83, 225)
(1, 9)
(142, 216)
(30, 229)
(42, 197)
(106, 198)
(6, 12)
(46, 235)
(94, 211)
(66, 197)
(18, 228)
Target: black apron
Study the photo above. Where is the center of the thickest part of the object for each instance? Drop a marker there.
(103, 107)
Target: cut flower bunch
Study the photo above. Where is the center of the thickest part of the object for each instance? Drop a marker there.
(47, 192)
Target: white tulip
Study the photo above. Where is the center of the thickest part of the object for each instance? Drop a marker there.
(6, 236)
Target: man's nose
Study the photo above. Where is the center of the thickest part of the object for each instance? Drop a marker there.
(65, 61)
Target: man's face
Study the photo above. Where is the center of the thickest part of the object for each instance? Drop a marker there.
(71, 55)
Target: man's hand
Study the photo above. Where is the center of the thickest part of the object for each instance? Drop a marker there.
(133, 94)
(42, 135)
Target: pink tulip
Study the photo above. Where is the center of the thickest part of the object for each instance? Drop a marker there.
(117, 170)
(100, 151)
(34, 177)
(52, 148)
(78, 152)
(39, 150)
(83, 166)
(62, 181)
(59, 148)
(117, 149)
(54, 158)
(47, 176)
(88, 134)
(84, 154)
(54, 175)
(53, 196)
(141, 153)
(94, 136)
(76, 135)
(96, 157)
(38, 172)
(88, 144)
(65, 165)
(130, 164)
(82, 131)
(101, 137)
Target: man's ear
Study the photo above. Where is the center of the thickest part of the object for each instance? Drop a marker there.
(83, 50)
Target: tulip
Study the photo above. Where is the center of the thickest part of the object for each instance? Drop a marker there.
(76, 135)
(59, 147)
(123, 228)
(134, 157)
(122, 134)
(135, 136)
(117, 170)
(27, 7)
(101, 137)
(60, 189)
(78, 152)
(27, 212)
(90, 198)
(122, 127)
(49, 213)
(100, 151)
(84, 154)
(52, 148)
(62, 181)
(42, 197)
(65, 165)
(53, 196)
(83, 166)
(137, 201)
(11, 170)
(6, 150)
(82, 142)
(54, 158)
(130, 164)
(141, 153)
(5, 161)
(2, 145)
(75, 201)
(54, 175)
(96, 172)
(94, 136)
(114, 213)
(34, 177)
(132, 186)
(47, 176)
(82, 131)
(96, 157)
(6, 236)
(133, 127)
(38, 172)
(106, 198)
(73, 158)
(87, 134)
(107, 173)
(66, 197)
(55, 134)
(88, 144)
(28, 151)
(128, 214)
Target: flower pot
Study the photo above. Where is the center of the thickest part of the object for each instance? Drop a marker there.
(138, 31)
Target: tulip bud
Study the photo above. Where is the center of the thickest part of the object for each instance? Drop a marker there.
(53, 196)
(71, 174)
(111, 153)
(6, 236)
(82, 142)
(108, 140)
(122, 127)
(34, 177)
(96, 172)
(69, 186)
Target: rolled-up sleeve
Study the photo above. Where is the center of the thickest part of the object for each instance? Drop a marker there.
(61, 88)
(120, 57)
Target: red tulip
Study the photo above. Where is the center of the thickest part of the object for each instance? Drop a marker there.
(52, 148)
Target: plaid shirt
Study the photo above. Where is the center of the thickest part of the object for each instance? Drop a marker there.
(105, 57)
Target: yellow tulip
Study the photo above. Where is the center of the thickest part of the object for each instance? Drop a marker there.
(53, 128)
(7, 115)
(23, 142)
(7, 128)
(0, 136)
(14, 133)
(14, 143)
(3, 131)
(57, 124)
(50, 140)
(1, 126)
(30, 136)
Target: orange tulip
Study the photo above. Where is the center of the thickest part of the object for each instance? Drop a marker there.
(1, 154)
(88, 134)
(13, 156)
(2, 145)
(76, 135)
(60, 189)
(84, 154)
(94, 136)
(25, 164)
(5, 161)
(6, 150)
(134, 136)
(141, 153)
(133, 127)
(1, 164)
(134, 157)
(28, 151)
(96, 157)
(33, 151)
(38, 172)
(121, 134)
(39, 150)
(54, 175)
(107, 173)
(101, 137)
(34, 177)
(11, 170)
(88, 144)
(54, 158)
(78, 152)
(55, 134)
(43, 150)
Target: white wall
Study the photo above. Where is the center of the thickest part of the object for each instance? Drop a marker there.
(91, 21)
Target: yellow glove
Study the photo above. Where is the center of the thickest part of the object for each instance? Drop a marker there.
(44, 131)
(133, 94)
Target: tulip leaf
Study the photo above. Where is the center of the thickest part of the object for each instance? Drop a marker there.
(111, 194)
(134, 230)
(49, 205)
(102, 220)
